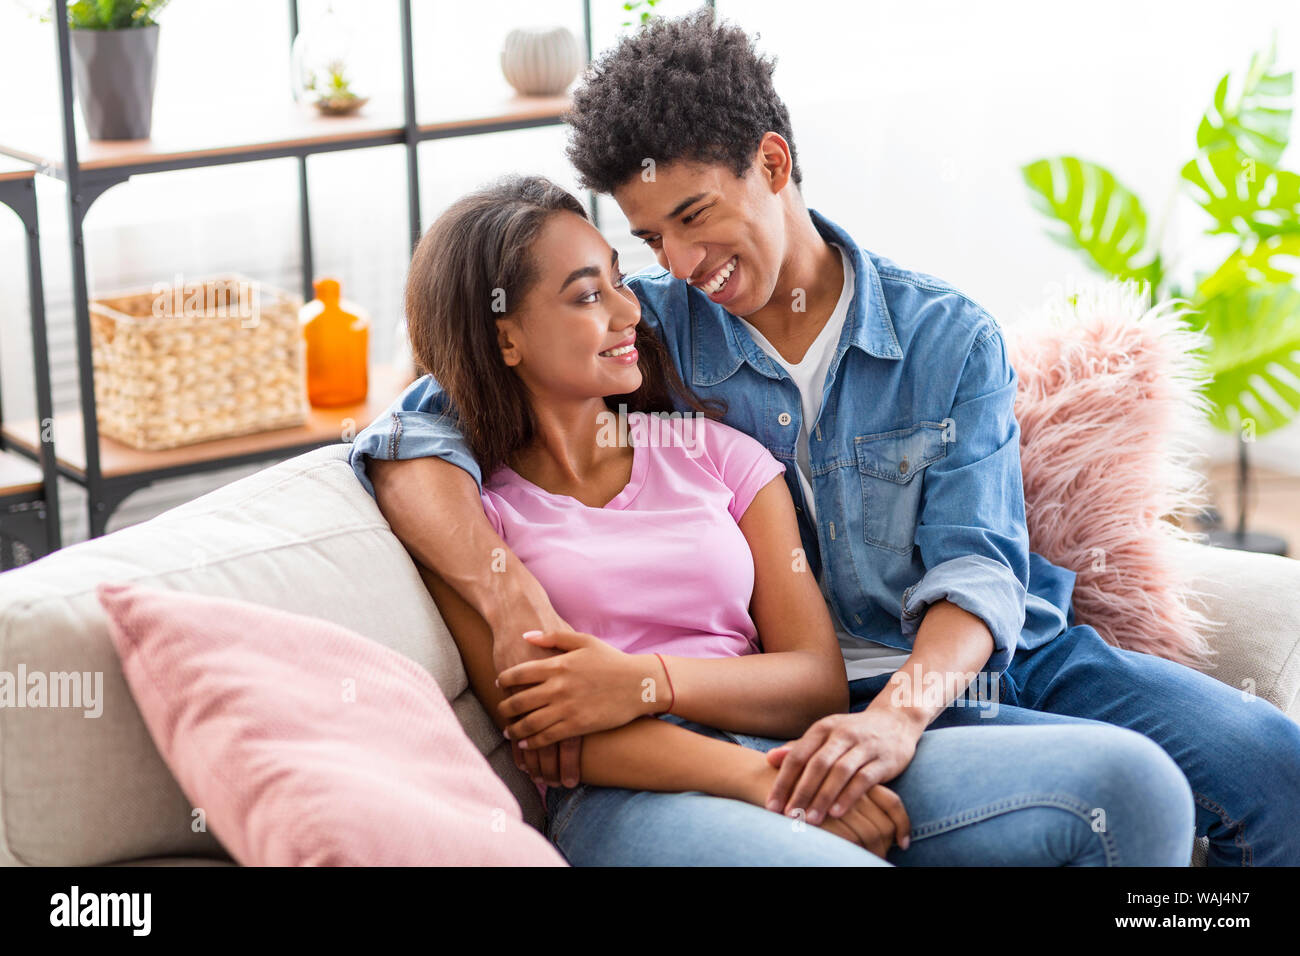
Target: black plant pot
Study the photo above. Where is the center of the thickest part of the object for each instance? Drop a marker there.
(114, 72)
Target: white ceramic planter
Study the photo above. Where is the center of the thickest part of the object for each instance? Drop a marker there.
(541, 62)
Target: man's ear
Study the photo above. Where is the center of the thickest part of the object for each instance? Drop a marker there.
(774, 160)
(506, 330)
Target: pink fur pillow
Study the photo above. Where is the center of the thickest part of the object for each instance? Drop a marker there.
(306, 744)
(1108, 394)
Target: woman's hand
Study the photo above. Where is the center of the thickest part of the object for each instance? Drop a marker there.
(874, 821)
(839, 759)
(590, 687)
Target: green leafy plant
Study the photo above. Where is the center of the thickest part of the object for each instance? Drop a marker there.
(1248, 306)
(646, 8)
(113, 14)
(336, 84)
(333, 89)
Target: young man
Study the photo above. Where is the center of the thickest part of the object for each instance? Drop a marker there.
(889, 395)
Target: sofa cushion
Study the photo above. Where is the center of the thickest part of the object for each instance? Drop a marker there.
(307, 744)
(1106, 404)
(1254, 616)
(302, 536)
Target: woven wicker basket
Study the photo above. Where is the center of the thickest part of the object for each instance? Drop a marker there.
(172, 371)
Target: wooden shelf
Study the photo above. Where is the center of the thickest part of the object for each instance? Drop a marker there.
(18, 475)
(470, 115)
(202, 135)
(210, 136)
(325, 425)
(12, 169)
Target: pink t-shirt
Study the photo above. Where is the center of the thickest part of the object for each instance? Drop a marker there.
(663, 566)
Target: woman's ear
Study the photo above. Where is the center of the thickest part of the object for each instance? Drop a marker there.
(507, 330)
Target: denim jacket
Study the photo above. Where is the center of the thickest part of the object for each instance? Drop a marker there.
(915, 456)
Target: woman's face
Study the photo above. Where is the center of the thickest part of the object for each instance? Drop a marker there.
(571, 337)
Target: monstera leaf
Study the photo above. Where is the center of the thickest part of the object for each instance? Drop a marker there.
(1255, 356)
(1275, 260)
(1246, 196)
(1247, 307)
(1258, 124)
(1101, 217)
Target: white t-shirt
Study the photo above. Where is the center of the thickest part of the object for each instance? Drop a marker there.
(861, 658)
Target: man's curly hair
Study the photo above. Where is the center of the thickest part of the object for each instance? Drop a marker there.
(683, 88)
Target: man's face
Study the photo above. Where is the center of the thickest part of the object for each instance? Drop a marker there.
(722, 233)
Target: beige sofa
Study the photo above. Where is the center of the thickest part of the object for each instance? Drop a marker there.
(304, 536)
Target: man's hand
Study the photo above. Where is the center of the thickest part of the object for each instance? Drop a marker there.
(587, 687)
(840, 759)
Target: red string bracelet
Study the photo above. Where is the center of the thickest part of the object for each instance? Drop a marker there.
(670, 683)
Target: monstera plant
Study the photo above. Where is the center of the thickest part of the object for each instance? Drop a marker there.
(1248, 305)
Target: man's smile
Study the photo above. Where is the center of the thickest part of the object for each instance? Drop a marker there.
(718, 280)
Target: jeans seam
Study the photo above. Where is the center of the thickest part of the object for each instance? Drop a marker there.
(990, 810)
(560, 821)
(1247, 851)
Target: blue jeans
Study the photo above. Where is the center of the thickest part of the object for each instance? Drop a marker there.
(1240, 754)
(1086, 794)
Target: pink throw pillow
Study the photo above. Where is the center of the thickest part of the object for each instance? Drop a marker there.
(307, 744)
(1108, 396)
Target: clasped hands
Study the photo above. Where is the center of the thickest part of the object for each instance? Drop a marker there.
(833, 773)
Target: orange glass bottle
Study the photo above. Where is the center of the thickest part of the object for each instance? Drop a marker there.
(338, 344)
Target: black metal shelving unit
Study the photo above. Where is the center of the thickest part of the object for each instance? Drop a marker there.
(28, 514)
(86, 183)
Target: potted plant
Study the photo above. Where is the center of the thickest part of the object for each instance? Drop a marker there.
(1248, 305)
(543, 61)
(323, 61)
(114, 45)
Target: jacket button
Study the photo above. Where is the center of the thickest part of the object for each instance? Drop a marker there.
(902, 467)
(784, 418)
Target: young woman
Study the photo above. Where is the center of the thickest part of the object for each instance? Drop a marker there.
(670, 546)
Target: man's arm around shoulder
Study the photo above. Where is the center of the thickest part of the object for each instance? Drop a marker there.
(426, 483)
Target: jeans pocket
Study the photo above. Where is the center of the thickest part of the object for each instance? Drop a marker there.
(891, 466)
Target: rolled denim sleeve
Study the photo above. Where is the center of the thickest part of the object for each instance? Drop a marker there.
(417, 425)
(972, 534)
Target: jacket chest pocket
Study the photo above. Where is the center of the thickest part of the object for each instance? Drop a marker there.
(891, 467)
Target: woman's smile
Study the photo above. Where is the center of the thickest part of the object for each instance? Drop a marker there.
(624, 353)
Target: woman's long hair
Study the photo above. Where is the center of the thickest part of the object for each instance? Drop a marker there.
(473, 267)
